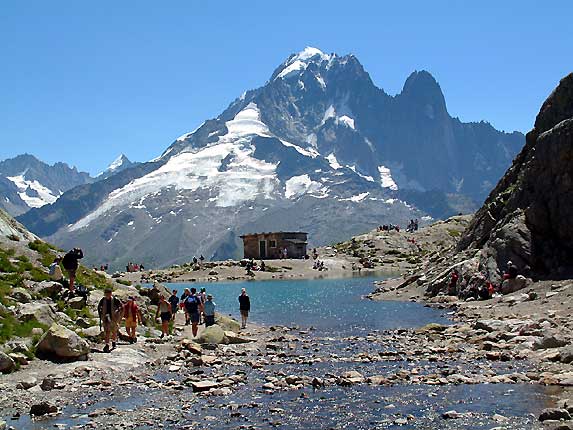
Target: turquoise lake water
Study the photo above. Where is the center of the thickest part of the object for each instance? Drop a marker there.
(330, 305)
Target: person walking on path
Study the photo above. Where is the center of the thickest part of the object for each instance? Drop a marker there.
(163, 311)
(183, 299)
(244, 307)
(209, 311)
(193, 307)
(109, 310)
(174, 302)
(71, 264)
(132, 316)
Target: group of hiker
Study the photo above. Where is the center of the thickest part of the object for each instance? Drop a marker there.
(412, 226)
(479, 287)
(134, 267)
(389, 227)
(198, 307)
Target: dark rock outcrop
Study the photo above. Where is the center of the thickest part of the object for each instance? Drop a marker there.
(527, 217)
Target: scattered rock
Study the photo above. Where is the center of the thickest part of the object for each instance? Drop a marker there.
(452, 415)
(21, 295)
(27, 383)
(77, 303)
(7, 365)
(43, 408)
(41, 312)
(550, 342)
(233, 338)
(60, 343)
(200, 386)
(554, 414)
(227, 323)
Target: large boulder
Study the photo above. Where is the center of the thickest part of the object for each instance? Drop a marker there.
(62, 344)
(41, 312)
(227, 323)
(7, 365)
(77, 303)
(512, 285)
(234, 338)
(213, 335)
(47, 288)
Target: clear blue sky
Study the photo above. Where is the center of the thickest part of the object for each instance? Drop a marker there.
(84, 81)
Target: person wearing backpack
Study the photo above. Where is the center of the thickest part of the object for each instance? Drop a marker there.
(110, 310)
(193, 307)
(71, 264)
(132, 315)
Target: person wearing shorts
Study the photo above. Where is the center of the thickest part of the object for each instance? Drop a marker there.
(193, 308)
(244, 307)
(132, 315)
(164, 310)
(110, 311)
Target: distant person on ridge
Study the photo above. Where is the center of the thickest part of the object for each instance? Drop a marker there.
(109, 310)
(71, 264)
(244, 307)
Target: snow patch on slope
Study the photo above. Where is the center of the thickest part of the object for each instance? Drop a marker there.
(346, 120)
(299, 185)
(333, 162)
(41, 195)
(386, 178)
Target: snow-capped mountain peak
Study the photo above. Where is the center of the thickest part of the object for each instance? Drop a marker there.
(117, 165)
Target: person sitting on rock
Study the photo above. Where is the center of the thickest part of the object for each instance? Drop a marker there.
(132, 315)
(56, 271)
(109, 310)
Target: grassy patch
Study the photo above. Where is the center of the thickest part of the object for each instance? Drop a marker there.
(123, 282)
(454, 233)
(89, 277)
(10, 327)
(46, 251)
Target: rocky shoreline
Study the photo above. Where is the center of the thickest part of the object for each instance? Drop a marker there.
(534, 325)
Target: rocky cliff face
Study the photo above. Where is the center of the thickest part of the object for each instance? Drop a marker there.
(527, 217)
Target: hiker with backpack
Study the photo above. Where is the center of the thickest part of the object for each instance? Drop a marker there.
(193, 307)
(132, 315)
(110, 310)
(71, 264)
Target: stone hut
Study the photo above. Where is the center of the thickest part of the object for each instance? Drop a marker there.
(269, 246)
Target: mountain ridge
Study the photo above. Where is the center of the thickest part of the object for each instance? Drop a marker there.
(318, 137)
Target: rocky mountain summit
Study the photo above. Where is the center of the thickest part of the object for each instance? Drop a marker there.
(26, 182)
(317, 148)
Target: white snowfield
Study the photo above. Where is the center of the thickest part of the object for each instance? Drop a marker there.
(43, 195)
(386, 178)
(300, 185)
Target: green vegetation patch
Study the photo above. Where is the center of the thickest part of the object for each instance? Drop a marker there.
(46, 251)
(89, 277)
(10, 327)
